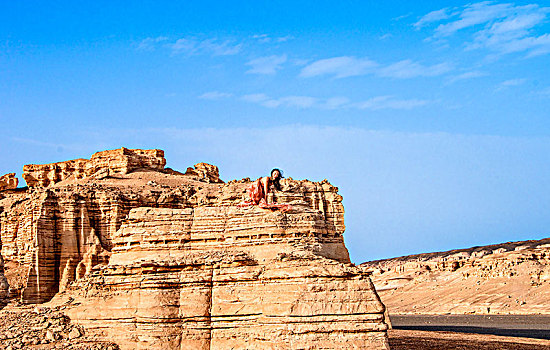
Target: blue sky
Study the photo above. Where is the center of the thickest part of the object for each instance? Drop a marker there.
(431, 119)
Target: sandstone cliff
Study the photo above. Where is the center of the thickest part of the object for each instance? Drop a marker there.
(159, 259)
(508, 278)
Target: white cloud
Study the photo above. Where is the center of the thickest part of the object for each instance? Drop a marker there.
(389, 102)
(346, 66)
(398, 18)
(215, 95)
(300, 102)
(510, 83)
(299, 61)
(191, 46)
(409, 69)
(264, 38)
(338, 102)
(150, 43)
(472, 15)
(255, 98)
(225, 48)
(188, 46)
(501, 28)
(433, 16)
(513, 82)
(467, 76)
(266, 65)
(535, 46)
(262, 99)
(340, 67)
(283, 39)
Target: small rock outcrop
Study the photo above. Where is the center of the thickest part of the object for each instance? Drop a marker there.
(44, 328)
(205, 172)
(507, 278)
(8, 182)
(102, 164)
(154, 258)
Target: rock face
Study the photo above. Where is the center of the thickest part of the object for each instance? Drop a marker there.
(508, 278)
(160, 259)
(8, 182)
(204, 172)
(107, 163)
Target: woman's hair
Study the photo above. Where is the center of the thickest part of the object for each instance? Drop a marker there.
(276, 182)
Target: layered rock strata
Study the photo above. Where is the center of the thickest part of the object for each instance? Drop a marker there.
(101, 164)
(508, 278)
(160, 259)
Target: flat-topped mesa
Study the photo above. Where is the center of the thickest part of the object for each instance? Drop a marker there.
(57, 233)
(101, 164)
(161, 259)
(8, 182)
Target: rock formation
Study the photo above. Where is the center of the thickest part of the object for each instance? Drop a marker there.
(102, 164)
(44, 328)
(204, 172)
(159, 259)
(8, 182)
(508, 278)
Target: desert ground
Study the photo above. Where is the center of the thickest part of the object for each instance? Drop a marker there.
(470, 332)
(401, 339)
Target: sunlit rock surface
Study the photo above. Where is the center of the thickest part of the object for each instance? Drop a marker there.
(8, 182)
(149, 257)
(507, 278)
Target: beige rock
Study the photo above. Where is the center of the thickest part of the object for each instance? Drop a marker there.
(101, 165)
(204, 172)
(160, 259)
(4, 286)
(508, 278)
(8, 182)
(74, 333)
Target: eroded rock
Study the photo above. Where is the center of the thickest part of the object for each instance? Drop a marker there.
(8, 182)
(102, 164)
(161, 259)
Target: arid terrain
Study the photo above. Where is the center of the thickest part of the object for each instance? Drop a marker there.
(435, 340)
(507, 278)
(488, 297)
(131, 254)
(117, 251)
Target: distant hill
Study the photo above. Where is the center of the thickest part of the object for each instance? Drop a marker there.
(506, 278)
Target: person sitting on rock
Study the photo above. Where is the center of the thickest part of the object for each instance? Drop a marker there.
(259, 189)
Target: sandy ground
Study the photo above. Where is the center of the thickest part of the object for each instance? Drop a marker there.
(529, 326)
(427, 340)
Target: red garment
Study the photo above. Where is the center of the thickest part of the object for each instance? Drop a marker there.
(256, 197)
(256, 192)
